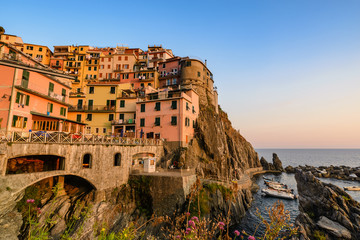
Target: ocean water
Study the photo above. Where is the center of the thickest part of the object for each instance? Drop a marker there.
(313, 157)
(295, 157)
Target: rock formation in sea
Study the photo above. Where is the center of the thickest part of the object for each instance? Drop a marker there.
(276, 164)
(326, 211)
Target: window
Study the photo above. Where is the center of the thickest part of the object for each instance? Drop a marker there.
(94, 76)
(157, 121)
(111, 117)
(142, 122)
(81, 49)
(80, 58)
(119, 58)
(112, 90)
(91, 90)
(122, 103)
(117, 159)
(89, 117)
(51, 88)
(95, 68)
(95, 61)
(198, 74)
(25, 79)
(194, 124)
(87, 161)
(142, 109)
(50, 107)
(109, 60)
(126, 66)
(164, 65)
(188, 63)
(168, 82)
(104, 130)
(142, 85)
(78, 117)
(63, 93)
(174, 105)
(62, 111)
(187, 106)
(101, 66)
(173, 120)
(19, 122)
(108, 66)
(126, 58)
(22, 99)
(174, 81)
(157, 106)
(126, 76)
(187, 122)
(193, 109)
(96, 130)
(102, 59)
(110, 104)
(89, 68)
(121, 116)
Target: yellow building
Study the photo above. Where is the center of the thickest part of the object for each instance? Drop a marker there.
(39, 52)
(12, 39)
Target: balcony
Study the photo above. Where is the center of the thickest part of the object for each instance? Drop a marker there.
(93, 108)
(13, 57)
(123, 122)
(56, 66)
(118, 70)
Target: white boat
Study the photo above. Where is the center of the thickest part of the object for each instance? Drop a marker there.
(352, 188)
(278, 194)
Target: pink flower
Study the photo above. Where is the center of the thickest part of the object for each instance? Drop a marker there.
(236, 232)
(178, 236)
(188, 229)
(191, 223)
(30, 201)
(187, 214)
(221, 228)
(195, 219)
(221, 224)
(251, 238)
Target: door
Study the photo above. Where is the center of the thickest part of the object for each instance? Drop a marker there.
(80, 104)
(91, 104)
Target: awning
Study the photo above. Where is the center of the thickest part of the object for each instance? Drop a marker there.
(58, 118)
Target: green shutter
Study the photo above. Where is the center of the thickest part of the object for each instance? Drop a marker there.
(18, 97)
(142, 122)
(14, 120)
(142, 107)
(122, 103)
(63, 92)
(51, 107)
(27, 100)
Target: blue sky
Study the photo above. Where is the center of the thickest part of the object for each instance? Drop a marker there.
(287, 71)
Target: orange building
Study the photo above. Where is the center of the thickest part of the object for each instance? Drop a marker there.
(33, 98)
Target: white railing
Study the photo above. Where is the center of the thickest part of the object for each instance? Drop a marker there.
(66, 138)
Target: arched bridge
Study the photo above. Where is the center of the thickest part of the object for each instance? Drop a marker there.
(105, 162)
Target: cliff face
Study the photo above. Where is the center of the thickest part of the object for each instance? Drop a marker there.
(326, 211)
(218, 150)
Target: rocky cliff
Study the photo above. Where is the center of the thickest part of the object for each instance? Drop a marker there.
(217, 150)
(326, 211)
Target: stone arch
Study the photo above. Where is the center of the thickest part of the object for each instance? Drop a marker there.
(137, 161)
(36, 180)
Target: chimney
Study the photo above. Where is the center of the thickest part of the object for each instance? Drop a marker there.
(205, 62)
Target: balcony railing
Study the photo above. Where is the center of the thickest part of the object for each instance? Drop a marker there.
(93, 108)
(72, 138)
(122, 121)
(55, 65)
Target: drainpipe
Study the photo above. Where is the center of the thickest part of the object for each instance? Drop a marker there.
(12, 97)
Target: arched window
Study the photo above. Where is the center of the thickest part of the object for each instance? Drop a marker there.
(117, 159)
(87, 161)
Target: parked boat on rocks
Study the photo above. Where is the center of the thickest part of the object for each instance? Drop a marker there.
(352, 188)
(278, 193)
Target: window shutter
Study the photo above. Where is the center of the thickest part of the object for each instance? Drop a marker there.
(51, 107)
(27, 100)
(17, 97)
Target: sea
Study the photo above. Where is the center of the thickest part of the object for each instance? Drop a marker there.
(295, 157)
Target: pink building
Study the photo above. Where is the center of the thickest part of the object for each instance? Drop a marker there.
(169, 72)
(168, 114)
(33, 98)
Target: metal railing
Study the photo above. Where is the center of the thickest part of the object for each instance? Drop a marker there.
(72, 138)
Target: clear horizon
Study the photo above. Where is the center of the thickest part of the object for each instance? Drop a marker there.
(287, 72)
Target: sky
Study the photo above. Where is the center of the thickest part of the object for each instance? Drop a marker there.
(287, 71)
